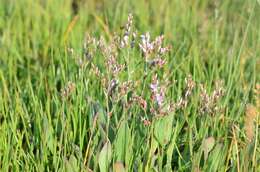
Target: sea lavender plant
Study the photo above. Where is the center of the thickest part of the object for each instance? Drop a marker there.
(127, 32)
(208, 103)
(116, 88)
(158, 92)
(183, 101)
(153, 51)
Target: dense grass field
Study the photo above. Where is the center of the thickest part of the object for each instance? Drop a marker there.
(92, 85)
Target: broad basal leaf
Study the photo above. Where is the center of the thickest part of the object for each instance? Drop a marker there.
(163, 129)
(105, 157)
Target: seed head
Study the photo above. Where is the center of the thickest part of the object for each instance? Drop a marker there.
(67, 91)
(127, 32)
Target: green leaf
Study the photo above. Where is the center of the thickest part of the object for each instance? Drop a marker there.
(172, 144)
(122, 142)
(105, 157)
(47, 133)
(216, 160)
(71, 164)
(102, 115)
(163, 129)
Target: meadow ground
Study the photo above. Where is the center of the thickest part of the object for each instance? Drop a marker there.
(92, 85)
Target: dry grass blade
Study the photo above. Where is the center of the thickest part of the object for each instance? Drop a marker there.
(250, 116)
(119, 167)
(207, 146)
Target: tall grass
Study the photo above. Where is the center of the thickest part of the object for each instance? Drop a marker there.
(64, 106)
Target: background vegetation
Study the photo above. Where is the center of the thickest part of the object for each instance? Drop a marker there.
(40, 130)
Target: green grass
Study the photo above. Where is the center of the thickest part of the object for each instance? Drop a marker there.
(42, 131)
